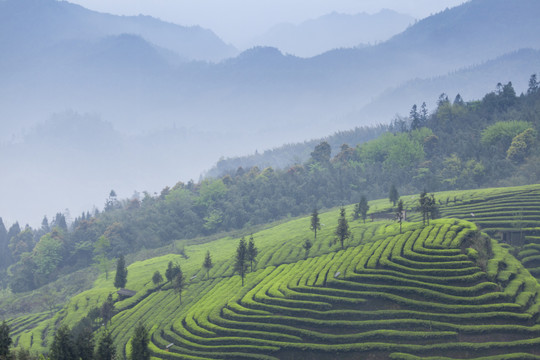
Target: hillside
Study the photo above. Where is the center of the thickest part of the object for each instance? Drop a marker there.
(443, 289)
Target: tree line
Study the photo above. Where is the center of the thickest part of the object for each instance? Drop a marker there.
(459, 145)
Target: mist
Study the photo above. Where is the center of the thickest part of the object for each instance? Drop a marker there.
(92, 102)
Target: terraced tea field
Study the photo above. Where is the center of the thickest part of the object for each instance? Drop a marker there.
(511, 215)
(443, 291)
(412, 293)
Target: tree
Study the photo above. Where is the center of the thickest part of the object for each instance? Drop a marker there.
(399, 213)
(179, 283)
(315, 223)
(172, 271)
(105, 348)
(139, 344)
(207, 264)
(414, 117)
(342, 230)
(423, 206)
(363, 208)
(107, 310)
(393, 195)
(62, 347)
(120, 279)
(157, 278)
(240, 264)
(5, 341)
(533, 85)
(83, 338)
(307, 246)
(321, 154)
(252, 252)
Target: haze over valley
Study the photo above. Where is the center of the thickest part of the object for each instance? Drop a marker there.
(93, 102)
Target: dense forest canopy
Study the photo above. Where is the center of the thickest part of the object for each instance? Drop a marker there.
(460, 145)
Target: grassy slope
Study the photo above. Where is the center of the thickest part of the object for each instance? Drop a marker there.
(277, 245)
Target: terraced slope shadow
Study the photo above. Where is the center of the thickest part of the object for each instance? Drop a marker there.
(405, 296)
(511, 215)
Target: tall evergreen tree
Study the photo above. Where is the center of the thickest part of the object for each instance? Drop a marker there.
(62, 347)
(342, 230)
(315, 223)
(83, 338)
(393, 195)
(414, 117)
(107, 310)
(240, 264)
(207, 264)
(252, 252)
(400, 214)
(120, 279)
(139, 344)
(363, 207)
(423, 206)
(307, 247)
(5, 253)
(105, 348)
(179, 283)
(5, 341)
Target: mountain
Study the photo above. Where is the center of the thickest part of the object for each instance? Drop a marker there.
(471, 83)
(30, 26)
(333, 31)
(257, 100)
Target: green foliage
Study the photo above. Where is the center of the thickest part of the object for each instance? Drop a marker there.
(62, 347)
(500, 134)
(207, 264)
(240, 264)
(105, 349)
(157, 278)
(5, 340)
(521, 146)
(139, 343)
(315, 223)
(342, 231)
(252, 252)
(307, 246)
(120, 278)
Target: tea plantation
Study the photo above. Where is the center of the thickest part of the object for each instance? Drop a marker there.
(448, 290)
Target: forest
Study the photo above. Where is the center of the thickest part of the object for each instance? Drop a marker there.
(460, 145)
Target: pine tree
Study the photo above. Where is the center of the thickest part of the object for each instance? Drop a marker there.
(105, 348)
(399, 214)
(363, 207)
(62, 347)
(120, 279)
(315, 223)
(342, 230)
(83, 338)
(307, 246)
(423, 206)
(240, 264)
(139, 344)
(393, 195)
(207, 264)
(179, 283)
(252, 252)
(5, 340)
(107, 310)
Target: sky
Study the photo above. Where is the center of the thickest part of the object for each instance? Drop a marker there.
(238, 21)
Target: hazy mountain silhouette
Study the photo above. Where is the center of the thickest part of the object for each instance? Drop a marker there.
(55, 58)
(332, 31)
